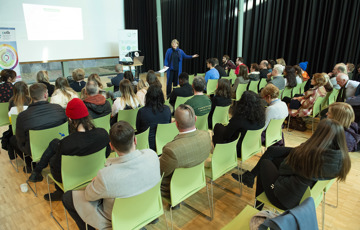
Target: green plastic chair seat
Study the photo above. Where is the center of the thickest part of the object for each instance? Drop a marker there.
(242, 221)
(287, 92)
(211, 86)
(253, 86)
(109, 89)
(273, 132)
(202, 122)
(241, 88)
(13, 122)
(129, 116)
(280, 93)
(103, 122)
(262, 83)
(180, 100)
(110, 101)
(232, 73)
(302, 87)
(251, 144)
(143, 140)
(296, 90)
(333, 96)
(220, 115)
(137, 211)
(4, 116)
(164, 134)
(40, 139)
(191, 79)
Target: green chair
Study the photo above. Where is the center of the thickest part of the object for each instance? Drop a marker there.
(296, 90)
(184, 183)
(109, 89)
(129, 116)
(180, 100)
(242, 221)
(280, 93)
(273, 132)
(137, 211)
(250, 146)
(223, 160)
(232, 73)
(220, 115)
(164, 134)
(302, 87)
(253, 86)
(39, 141)
(167, 102)
(333, 96)
(287, 92)
(241, 88)
(200, 75)
(202, 122)
(79, 94)
(316, 110)
(229, 78)
(191, 79)
(211, 86)
(103, 122)
(143, 140)
(13, 118)
(110, 101)
(4, 116)
(262, 84)
(76, 173)
(326, 189)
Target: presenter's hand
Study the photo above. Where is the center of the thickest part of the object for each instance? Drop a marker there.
(195, 55)
(164, 66)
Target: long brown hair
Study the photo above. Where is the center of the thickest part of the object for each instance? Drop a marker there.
(62, 84)
(127, 91)
(86, 122)
(20, 95)
(307, 159)
(95, 77)
(223, 89)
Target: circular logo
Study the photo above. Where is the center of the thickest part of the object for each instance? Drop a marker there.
(8, 57)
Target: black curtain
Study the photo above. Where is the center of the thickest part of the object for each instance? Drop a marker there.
(322, 32)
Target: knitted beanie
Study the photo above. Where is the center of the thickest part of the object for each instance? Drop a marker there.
(76, 109)
(303, 65)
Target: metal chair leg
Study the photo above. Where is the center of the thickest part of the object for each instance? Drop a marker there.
(323, 212)
(211, 202)
(288, 124)
(171, 217)
(51, 208)
(27, 181)
(337, 196)
(16, 163)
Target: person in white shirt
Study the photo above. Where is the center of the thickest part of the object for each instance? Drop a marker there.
(349, 85)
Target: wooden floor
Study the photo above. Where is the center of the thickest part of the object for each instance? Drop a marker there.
(25, 211)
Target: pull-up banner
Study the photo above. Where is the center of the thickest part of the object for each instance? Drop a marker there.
(9, 58)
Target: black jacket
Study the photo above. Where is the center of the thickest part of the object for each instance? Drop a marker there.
(39, 115)
(263, 73)
(183, 91)
(116, 81)
(49, 87)
(221, 71)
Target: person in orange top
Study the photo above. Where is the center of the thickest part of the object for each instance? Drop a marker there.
(303, 66)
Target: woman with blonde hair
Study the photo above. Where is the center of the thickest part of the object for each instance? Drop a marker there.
(344, 114)
(142, 88)
(63, 93)
(128, 99)
(43, 77)
(79, 83)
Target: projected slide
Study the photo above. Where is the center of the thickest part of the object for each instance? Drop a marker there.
(53, 22)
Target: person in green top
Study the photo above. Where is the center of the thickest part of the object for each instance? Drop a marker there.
(199, 102)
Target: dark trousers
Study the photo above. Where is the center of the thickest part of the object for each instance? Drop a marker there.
(45, 158)
(171, 80)
(68, 202)
(14, 148)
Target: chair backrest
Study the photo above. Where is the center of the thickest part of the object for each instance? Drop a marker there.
(232, 73)
(110, 101)
(13, 122)
(273, 132)
(164, 134)
(253, 86)
(4, 116)
(211, 86)
(77, 171)
(296, 90)
(202, 122)
(316, 192)
(40, 139)
(302, 87)
(191, 79)
(109, 89)
(241, 88)
(287, 92)
(280, 93)
(333, 96)
(251, 144)
(129, 116)
(317, 106)
(220, 115)
(185, 182)
(181, 100)
(143, 140)
(103, 122)
(137, 211)
(224, 159)
(200, 74)
(228, 78)
(262, 83)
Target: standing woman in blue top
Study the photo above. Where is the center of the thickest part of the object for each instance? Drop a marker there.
(173, 59)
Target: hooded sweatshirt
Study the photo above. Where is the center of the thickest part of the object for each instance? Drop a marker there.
(352, 137)
(97, 106)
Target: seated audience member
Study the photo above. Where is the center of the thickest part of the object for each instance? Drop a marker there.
(227, 64)
(17, 103)
(290, 77)
(303, 105)
(248, 114)
(271, 64)
(8, 77)
(142, 88)
(281, 61)
(115, 81)
(219, 68)
(344, 114)
(152, 79)
(254, 72)
(199, 102)
(304, 74)
(185, 89)
(154, 112)
(79, 83)
(285, 173)
(131, 173)
(222, 97)
(350, 70)
(96, 78)
(128, 75)
(63, 92)
(298, 73)
(348, 87)
(240, 62)
(212, 73)
(96, 103)
(188, 149)
(357, 73)
(128, 99)
(39, 115)
(277, 80)
(338, 68)
(43, 77)
(264, 68)
(241, 78)
(84, 139)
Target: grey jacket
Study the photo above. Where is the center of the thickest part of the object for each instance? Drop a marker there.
(278, 81)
